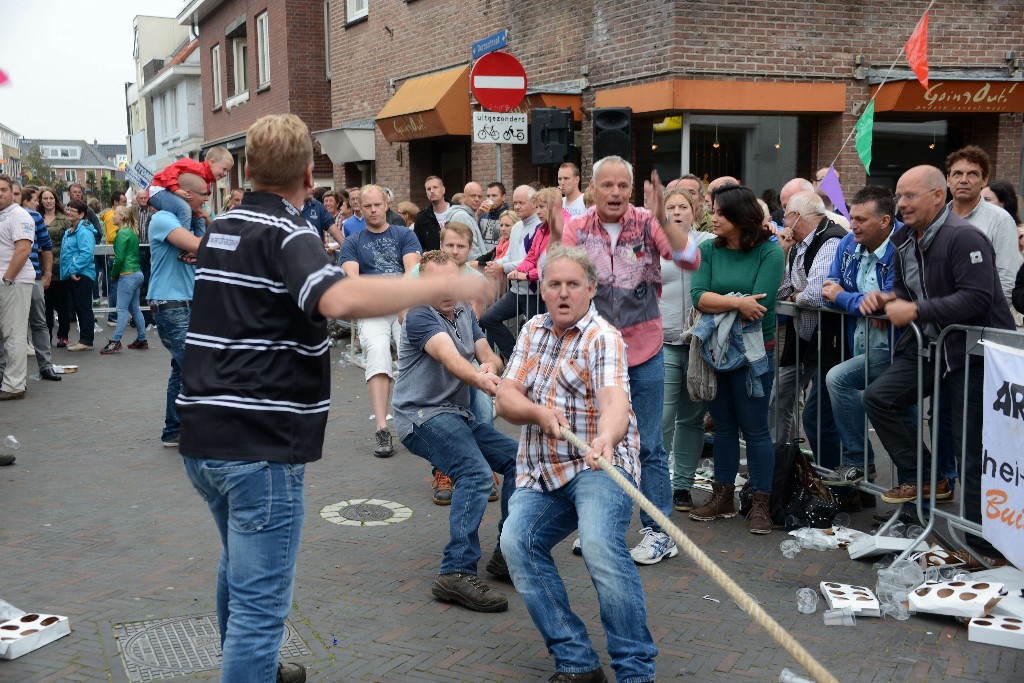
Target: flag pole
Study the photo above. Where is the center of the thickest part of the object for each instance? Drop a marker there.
(877, 90)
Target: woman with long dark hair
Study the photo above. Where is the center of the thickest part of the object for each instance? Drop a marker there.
(740, 271)
(57, 296)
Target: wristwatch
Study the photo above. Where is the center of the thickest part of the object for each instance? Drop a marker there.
(8, 282)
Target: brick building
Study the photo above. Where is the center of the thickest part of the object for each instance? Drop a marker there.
(259, 57)
(764, 91)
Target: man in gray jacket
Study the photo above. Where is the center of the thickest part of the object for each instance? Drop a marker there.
(967, 173)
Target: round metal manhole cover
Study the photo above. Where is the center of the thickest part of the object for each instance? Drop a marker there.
(365, 512)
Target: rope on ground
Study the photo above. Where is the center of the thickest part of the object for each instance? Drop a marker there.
(700, 558)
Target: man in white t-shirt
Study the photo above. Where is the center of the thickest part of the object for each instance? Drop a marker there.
(569, 184)
(17, 232)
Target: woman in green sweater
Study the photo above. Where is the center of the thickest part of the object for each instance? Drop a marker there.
(741, 259)
(129, 281)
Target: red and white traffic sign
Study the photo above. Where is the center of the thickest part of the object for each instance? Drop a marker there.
(498, 81)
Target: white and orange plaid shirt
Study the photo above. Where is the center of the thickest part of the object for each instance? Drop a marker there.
(564, 374)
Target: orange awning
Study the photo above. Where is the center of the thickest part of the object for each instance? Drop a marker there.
(427, 107)
(542, 100)
(727, 96)
(951, 96)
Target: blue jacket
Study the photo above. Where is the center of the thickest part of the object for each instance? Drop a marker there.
(76, 257)
(42, 242)
(844, 270)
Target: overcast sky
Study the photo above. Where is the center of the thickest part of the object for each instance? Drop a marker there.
(68, 62)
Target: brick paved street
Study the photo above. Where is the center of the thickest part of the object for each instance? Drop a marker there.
(98, 522)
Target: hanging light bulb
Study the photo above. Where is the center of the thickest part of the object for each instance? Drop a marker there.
(932, 145)
(716, 144)
(778, 143)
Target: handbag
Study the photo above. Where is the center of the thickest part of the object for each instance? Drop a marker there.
(811, 503)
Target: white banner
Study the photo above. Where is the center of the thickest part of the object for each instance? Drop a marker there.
(1002, 462)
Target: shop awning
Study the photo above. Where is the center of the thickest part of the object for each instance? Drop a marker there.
(427, 107)
(951, 96)
(348, 143)
(727, 96)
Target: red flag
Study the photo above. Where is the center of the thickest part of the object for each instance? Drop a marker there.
(3, 77)
(917, 50)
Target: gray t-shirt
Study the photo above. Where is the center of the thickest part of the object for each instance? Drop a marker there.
(425, 388)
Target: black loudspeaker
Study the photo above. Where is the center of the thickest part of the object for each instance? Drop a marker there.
(613, 133)
(550, 135)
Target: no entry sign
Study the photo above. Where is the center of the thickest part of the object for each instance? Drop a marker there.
(498, 81)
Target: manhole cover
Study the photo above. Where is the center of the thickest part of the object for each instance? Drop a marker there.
(181, 646)
(365, 512)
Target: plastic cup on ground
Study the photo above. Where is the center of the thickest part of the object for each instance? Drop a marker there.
(843, 616)
(806, 601)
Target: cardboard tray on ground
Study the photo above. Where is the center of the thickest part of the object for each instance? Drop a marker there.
(870, 546)
(973, 598)
(997, 630)
(30, 632)
(858, 598)
(1012, 604)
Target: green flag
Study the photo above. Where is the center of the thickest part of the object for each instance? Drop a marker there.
(865, 133)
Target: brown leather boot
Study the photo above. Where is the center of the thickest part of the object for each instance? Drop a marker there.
(759, 520)
(720, 504)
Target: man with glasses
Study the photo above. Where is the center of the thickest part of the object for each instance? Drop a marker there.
(172, 251)
(815, 239)
(945, 275)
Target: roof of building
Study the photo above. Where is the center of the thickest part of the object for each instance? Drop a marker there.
(90, 157)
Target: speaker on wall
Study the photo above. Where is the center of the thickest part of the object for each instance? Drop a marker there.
(613, 132)
(550, 135)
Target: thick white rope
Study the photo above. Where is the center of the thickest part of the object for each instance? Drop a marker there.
(700, 558)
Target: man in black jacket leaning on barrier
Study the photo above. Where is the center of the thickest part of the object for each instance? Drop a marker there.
(945, 275)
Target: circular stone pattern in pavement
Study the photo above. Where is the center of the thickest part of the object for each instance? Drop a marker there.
(365, 512)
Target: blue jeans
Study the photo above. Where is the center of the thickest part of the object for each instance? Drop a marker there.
(846, 383)
(538, 521)
(168, 201)
(647, 395)
(823, 437)
(258, 510)
(467, 451)
(128, 287)
(506, 308)
(682, 419)
(733, 410)
(172, 325)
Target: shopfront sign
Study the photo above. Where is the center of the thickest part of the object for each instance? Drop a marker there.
(952, 97)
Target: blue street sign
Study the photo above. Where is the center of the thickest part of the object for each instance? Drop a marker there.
(490, 44)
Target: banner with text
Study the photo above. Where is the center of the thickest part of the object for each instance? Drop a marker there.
(1002, 462)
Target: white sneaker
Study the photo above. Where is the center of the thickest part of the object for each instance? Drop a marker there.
(654, 547)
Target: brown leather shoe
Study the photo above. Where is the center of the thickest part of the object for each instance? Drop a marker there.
(759, 520)
(720, 504)
(11, 395)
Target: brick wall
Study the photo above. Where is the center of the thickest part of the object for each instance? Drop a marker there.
(298, 68)
(651, 40)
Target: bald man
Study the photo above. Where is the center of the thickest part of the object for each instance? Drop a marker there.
(465, 213)
(945, 275)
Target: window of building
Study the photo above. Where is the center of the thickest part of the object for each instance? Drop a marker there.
(357, 9)
(55, 152)
(327, 35)
(240, 50)
(263, 49)
(171, 113)
(70, 175)
(215, 63)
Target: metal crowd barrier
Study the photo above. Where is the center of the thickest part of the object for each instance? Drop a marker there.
(105, 253)
(928, 511)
